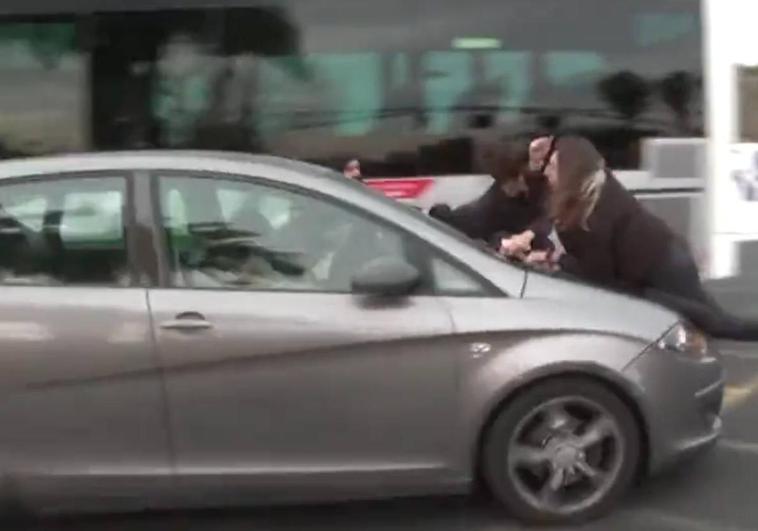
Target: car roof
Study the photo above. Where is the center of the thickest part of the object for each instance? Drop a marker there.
(227, 162)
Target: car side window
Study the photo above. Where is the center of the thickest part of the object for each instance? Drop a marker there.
(233, 234)
(64, 232)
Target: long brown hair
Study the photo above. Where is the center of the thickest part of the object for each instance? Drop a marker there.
(578, 161)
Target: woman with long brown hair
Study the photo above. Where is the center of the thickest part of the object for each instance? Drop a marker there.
(608, 238)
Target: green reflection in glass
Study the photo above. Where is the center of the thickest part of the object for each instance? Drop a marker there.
(476, 43)
(45, 43)
(178, 103)
(652, 29)
(343, 91)
(355, 89)
(400, 70)
(448, 75)
(279, 95)
(511, 71)
(568, 68)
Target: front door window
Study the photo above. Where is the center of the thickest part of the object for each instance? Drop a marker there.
(246, 236)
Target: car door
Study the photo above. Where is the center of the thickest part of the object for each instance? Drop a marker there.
(278, 376)
(82, 405)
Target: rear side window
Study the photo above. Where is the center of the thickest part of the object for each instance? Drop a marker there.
(64, 232)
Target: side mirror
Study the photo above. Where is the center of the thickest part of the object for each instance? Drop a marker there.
(387, 277)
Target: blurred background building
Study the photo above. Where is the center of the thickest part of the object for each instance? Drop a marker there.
(410, 88)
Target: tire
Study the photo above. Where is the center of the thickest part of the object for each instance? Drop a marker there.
(619, 451)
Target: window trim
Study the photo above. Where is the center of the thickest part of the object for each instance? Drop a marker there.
(488, 289)
(128, 211)
(147, 248)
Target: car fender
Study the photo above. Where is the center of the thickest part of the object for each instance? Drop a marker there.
(489, 380)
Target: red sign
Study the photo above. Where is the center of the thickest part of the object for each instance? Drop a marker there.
(410, 188)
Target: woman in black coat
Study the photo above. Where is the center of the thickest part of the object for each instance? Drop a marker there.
(608, 238)
(513, 202)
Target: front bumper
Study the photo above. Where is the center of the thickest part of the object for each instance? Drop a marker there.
(681, 401)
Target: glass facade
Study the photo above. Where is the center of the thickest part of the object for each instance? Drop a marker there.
(43, 89)
(408, 87)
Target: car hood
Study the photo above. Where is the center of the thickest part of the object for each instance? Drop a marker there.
(567, 304)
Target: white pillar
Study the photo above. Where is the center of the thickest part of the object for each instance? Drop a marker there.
(721, 126)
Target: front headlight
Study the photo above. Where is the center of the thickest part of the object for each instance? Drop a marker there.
(685, 339)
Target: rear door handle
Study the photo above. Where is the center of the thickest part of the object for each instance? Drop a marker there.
(187, 321)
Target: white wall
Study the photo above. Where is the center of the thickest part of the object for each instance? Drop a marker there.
(729, 40)
(740, 17)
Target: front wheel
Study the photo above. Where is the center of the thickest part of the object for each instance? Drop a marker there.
(563, 451)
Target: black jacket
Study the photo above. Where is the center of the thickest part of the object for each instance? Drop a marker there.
(624, 243)
(495, 215)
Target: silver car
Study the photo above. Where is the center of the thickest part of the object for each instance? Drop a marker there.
(184, 329)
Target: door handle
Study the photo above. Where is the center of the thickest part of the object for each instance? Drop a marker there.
(187, 321)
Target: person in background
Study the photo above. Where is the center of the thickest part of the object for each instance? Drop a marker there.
(611, 240)
(509, 206)
(352, 170)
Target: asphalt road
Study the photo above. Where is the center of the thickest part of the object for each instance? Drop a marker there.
(713, 493)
